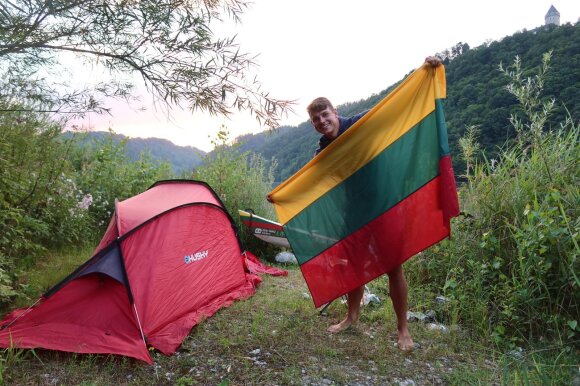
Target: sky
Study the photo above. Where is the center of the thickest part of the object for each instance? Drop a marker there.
(343, 50)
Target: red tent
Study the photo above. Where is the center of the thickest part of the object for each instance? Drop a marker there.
(169, 258)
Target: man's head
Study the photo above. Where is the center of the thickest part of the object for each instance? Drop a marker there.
(324, 117)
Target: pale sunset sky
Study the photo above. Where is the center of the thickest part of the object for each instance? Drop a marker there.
(344, 50)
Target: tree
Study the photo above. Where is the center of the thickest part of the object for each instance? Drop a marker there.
(449, 54)
(167, 43)
(241, 180)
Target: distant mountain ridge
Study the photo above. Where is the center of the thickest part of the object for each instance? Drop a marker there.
(181, 158)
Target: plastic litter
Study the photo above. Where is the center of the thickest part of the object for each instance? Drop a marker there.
(286, 257)
(367, 299)
(371, 299)
(437, 327)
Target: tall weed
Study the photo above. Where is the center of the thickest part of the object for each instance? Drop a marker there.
(511, 266)
(242, 181)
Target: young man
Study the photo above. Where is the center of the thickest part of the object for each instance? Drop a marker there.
(327, 122)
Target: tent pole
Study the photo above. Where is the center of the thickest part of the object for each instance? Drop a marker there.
(139, 323)
(325, 307)
(21, 315)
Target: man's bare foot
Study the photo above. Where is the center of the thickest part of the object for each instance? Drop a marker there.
(405, 342)
(346, 323)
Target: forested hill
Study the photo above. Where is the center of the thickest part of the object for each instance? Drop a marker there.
(181, 158)
(476, 95)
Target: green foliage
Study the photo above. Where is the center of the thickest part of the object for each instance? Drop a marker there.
(542, 366)
(40, 205)
(511, 267)
(8, 358)
(39, 201)
(476, 95)
(107, 174)
(169, 45)
(7, 291)
(242, 181)
(469, 148)
(291, 147)
(53, 193)
(185, 381)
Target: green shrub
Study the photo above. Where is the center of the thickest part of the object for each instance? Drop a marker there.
(511, 265)
(106, 174)
(242, 182)
(45, 202)
(40, 205)
(39, 201)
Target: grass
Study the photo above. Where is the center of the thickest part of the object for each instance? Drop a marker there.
(277, 337)
(49, 271)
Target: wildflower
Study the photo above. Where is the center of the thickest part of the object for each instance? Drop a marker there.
(86, 202)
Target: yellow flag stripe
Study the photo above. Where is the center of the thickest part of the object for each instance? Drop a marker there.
(391, 118)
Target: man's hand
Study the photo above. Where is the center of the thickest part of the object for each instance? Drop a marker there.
(432, 61)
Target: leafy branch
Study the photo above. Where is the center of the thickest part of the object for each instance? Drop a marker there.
(168, 44)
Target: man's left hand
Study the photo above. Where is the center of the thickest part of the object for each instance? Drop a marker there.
(433, 61)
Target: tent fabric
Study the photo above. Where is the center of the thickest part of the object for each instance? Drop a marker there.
(169, 258)
(257, 267)
(91, 314)
(163, 197)
(380, 193)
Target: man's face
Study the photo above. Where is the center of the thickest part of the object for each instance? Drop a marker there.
(326, 122)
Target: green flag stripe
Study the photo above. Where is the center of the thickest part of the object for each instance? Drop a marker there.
(398, 171)
(441, 128)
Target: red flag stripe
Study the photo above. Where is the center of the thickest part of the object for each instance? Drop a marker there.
(381, 245)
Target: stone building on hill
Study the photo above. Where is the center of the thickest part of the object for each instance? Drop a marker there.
(553, 16)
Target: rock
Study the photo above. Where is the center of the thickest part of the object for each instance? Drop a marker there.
(415, 316)
(421, 317)
(517, 353)
(430, 315)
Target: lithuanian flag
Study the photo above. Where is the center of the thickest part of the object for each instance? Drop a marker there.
(380, 193)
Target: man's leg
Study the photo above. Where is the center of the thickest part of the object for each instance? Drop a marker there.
(398, 292)
(353, 300)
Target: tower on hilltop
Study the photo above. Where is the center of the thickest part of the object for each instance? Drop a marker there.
(553, 16)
